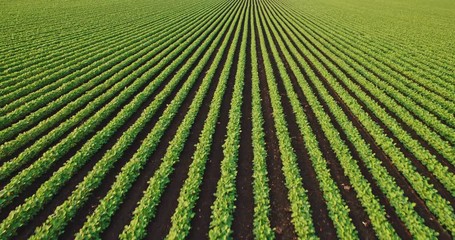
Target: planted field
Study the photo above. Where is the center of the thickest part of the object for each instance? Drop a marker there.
(221, 119)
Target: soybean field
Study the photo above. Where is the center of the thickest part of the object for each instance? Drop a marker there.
(227, 119)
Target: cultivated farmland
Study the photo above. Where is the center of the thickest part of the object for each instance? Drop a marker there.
(286, 119)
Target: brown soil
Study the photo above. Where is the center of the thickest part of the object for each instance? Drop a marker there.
(242, 225)
(71, 185)
(201, 220)
(421, 208)
(280, 207)
(357, 213)
(321, 220)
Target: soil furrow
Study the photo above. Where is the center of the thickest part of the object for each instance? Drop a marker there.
(358, 215)
(402, 124)
(75, 180)
(280, 207)
(201, 219)
(242, 225)
(321, 220)
(400, 179)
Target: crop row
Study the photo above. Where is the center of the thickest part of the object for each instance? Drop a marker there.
(21, 140)
(89, 126)
(348, 164)
(148, 203)
(49, 92)
(425, 65)
(422, 154)
(433, 199)
(262, 227)
(360, 144)
(75, 39)
(357, 72)
(100, 218)
(224, 204)
(102, 167)
(300, 207)
(49, 189)
(97, 44)
(44, 66)
(375, 61)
